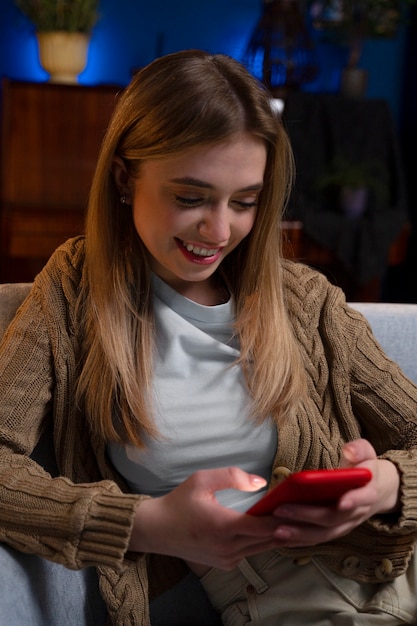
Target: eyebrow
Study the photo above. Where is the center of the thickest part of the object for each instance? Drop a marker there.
(195, 182)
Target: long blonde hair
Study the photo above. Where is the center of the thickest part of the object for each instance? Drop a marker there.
(177, 102)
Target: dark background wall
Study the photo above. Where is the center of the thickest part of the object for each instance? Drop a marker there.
(130, 33)
(406, 277)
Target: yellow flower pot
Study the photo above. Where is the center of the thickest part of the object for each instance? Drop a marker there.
(63, 55)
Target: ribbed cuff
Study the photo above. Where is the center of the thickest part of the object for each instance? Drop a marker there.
(107, 529)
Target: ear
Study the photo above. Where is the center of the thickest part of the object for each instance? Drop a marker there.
(121, 177)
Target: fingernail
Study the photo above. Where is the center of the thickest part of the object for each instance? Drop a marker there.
(284, 511)
(345, 505)
(350, 451)
(258, 481)
(282, 532)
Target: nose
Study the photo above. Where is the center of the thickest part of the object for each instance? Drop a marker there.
(215, 225)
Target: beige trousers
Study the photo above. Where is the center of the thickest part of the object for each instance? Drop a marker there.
(270, 590)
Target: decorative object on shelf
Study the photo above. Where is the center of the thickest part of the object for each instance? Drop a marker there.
(63, 31)
(354, 81)
(63, 55)
(350, 22)
(348, 185)
(280, 52)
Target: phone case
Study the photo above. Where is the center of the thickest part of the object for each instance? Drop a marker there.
(312, 487)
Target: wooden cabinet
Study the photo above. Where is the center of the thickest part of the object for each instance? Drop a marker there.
(50, 138)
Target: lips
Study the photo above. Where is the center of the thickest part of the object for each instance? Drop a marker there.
(198, 254)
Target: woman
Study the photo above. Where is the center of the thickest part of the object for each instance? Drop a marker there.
(185, 366)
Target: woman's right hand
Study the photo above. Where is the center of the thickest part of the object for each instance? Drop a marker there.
(190, 523)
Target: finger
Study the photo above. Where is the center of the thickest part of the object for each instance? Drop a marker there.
(353, 513)
(308, 515)
(241, 546)
(301, 535)
(357, 451)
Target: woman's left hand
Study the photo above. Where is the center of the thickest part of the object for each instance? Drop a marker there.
(306, 525)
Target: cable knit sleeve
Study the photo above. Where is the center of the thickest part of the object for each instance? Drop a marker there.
(384, 401)
(75, 518)
(354, 390)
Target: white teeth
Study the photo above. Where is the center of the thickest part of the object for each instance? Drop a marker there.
(200, 251)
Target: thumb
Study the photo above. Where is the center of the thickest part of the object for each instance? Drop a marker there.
(357, 451)
(228, 478)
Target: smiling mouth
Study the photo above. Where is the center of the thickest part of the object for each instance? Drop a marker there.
(200, 251)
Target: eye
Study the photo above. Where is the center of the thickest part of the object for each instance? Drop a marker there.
(188, 202)
(246, 205)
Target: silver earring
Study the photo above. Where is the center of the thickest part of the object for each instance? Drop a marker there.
(123, 199)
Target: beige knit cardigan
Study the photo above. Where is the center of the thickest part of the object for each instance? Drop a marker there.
(84, 517)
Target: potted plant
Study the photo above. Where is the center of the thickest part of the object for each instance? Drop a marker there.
(350, 22)
(63, 30)
(348, 185)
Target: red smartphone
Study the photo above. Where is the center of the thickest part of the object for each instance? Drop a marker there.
(312, 487)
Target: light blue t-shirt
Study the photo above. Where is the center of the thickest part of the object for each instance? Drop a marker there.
(202, 405)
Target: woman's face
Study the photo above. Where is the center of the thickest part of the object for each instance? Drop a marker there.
(192, 210)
